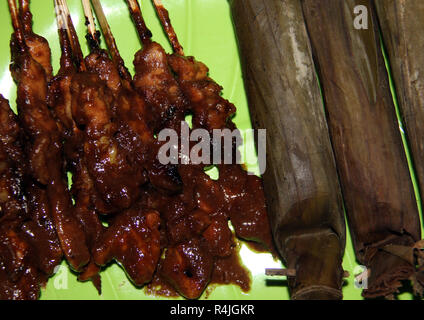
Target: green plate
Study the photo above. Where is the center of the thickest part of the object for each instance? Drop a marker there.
(205, 30)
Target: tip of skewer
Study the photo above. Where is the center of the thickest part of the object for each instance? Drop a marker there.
(169, 30)
(93, 39)
(16, 21)
(280, 272)
(93, 36)
(291, 272)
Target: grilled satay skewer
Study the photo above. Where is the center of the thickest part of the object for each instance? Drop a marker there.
(137, 227)
(233, 180)
(193, 219)
(93, 106)
(377, 187)
(127, 238)
(135, 114)
(27, 231)
(37, 45)
(45, 147)
(154, 80)
(131, 113)
(211, 111)
(85, 196)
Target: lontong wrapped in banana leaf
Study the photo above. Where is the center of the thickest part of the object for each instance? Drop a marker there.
(301, 183)
(402, 27)
(377, 187)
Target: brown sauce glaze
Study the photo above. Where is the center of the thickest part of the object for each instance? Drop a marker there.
(168, 225)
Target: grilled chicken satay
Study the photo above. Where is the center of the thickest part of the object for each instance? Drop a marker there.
(131, 113)
(107, 162)
(44, 147)
(133, 237)
(156, 83)
(85, 196)
(125, 238)
(202, 220)
(154, 80)
(211, 111)
(37, 45)
(133, 234)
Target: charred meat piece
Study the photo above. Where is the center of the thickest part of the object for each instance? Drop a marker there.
(154, 80)
(132, 239)
(188, 267)
(106, 160)
(210, 110)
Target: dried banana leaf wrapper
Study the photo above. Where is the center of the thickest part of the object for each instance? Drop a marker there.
(374, 174)
(402, 28)
(301, 184)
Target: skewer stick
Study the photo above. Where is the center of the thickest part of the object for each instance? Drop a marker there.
(110, 40)
(280, 272)
(143, 32)
(93, 36)
(16, 22)
(166, 23)
(291, 272)
(59, 17)
(73, 38)
(65, 45)
(26, 16)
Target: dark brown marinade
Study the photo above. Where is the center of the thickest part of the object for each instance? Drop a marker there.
(29, 248)
(197, 219)
(229, 270)
(200, 247)
(43, 144)
(175, 210)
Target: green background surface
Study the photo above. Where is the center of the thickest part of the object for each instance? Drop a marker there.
(205, 30)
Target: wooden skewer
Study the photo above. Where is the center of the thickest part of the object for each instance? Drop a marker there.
(26, 16)
(143, 32)
(166, 23)
(65, 44)
(59, 16)
(291, 272)
(110, 40)
(16, 22)
(63, 18)
(93, 36)
(73, 38)
(280, 272)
